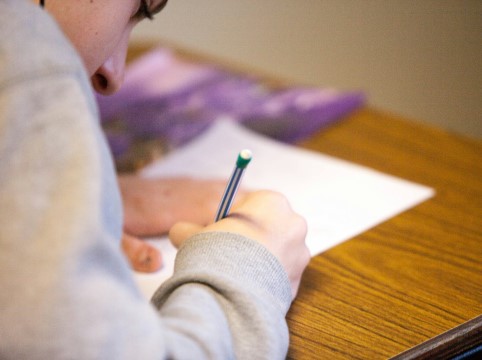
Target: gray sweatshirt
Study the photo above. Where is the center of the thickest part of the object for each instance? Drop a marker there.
(66, 290)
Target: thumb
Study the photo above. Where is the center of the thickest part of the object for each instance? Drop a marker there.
(181, 231)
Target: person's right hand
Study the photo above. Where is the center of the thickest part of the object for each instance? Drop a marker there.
(266, 217)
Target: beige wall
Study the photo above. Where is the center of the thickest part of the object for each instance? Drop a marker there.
(421, 59)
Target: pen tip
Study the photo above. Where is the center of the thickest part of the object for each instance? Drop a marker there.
(244, 158)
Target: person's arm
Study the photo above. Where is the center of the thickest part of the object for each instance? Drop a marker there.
(270, 273)
(228, 298)
(67, 290)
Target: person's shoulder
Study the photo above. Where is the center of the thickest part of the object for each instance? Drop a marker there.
(32, 43)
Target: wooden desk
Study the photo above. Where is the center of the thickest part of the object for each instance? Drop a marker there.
(411, 278)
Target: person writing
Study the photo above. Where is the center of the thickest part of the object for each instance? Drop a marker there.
(67, 288)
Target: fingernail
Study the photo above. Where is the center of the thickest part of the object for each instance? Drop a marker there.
(144, 257)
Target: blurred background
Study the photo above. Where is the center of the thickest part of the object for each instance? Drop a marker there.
(418, 59)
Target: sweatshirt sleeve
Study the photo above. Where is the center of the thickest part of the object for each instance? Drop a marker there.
(228, 298)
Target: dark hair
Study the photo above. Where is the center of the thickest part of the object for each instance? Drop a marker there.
(42, 3)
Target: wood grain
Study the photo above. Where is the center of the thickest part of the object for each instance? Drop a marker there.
(409, 279)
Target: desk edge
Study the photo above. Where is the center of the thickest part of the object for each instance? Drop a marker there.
(448, 344)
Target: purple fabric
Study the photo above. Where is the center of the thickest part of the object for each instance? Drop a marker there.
(172, 101)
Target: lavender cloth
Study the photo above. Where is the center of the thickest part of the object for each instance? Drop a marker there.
(170, 100)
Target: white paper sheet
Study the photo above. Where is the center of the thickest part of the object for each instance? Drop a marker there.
(338, 199)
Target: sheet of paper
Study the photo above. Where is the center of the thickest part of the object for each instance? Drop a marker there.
(338, 199)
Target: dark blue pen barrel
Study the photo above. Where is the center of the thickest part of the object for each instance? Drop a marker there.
(229, 194)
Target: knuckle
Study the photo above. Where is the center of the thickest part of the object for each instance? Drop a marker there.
(302, 224)
(306, 256)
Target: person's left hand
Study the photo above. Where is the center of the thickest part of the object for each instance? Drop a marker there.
(153, 206)
(142, 256)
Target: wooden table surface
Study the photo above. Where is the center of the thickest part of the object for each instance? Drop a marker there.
(411, 278)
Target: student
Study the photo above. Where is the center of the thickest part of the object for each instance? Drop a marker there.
(67, 291)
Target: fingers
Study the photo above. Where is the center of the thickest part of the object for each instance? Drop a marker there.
(181, 231)
(142, 256)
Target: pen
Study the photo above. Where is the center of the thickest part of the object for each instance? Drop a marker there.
(243, 160)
